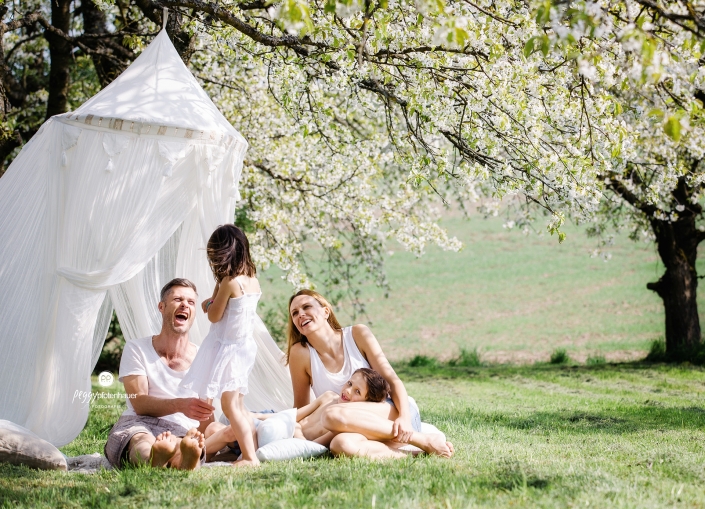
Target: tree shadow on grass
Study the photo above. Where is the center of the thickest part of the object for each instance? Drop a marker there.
(628, 419)
(444, 370)
(634, 413)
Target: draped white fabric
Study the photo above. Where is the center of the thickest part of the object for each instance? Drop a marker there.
(95, 216)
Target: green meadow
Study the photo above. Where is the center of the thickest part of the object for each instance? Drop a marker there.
(515, 298)
(545, 435)
(600, 428)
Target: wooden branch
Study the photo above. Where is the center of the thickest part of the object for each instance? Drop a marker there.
(627, 195)
(222, 14)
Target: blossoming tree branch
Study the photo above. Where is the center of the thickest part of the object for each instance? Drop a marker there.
(365, 116)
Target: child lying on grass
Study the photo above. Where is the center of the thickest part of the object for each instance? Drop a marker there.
(364, 385)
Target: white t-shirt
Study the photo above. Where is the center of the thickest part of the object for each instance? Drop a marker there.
(140, 358)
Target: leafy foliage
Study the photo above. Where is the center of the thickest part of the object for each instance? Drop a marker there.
(467, 358)
(365, 118)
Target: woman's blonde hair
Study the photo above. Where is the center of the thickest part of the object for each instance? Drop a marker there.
(292, 333)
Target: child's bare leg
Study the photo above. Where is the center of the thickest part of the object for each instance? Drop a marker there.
(242, 426)
(218, 435)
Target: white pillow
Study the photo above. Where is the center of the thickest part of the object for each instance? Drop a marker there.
(19, 446)
(276, 427)
(289, 449)
(430, 429)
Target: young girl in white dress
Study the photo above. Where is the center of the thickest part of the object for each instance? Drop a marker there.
(226, 357)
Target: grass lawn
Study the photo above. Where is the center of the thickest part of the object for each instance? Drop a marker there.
(626, 435)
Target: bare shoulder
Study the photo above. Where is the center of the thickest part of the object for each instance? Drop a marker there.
(361, 330)
(329, 398)
(230, 285)
(250, 284)
(363, 335)
(299, 356)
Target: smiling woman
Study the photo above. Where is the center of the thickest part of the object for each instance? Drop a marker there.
(323, 356)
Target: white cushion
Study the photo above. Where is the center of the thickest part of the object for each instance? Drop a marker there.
(276, 427)
(19, 446)
(430, 429)
(289, 449)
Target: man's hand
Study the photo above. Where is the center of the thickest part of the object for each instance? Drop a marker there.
(195, 408)
(402, 430)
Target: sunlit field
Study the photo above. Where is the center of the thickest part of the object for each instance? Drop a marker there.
(516, 298)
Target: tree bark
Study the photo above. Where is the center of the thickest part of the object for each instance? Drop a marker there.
(61, 58)
(94, 22)
(677, 244)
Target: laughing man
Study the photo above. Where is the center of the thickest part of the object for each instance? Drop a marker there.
(160, 426)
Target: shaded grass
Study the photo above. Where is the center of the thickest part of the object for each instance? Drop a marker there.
(607, 435)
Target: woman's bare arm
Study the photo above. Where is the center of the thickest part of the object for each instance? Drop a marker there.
(299, 366)
(369, 347)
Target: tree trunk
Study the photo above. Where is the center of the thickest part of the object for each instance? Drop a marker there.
(94, 22)
(678, 247)
(61, 58)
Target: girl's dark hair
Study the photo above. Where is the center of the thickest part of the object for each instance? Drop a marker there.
(228, 253)
(292, 333)
(377, 387)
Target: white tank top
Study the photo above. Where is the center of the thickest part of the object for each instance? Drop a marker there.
(323, 380)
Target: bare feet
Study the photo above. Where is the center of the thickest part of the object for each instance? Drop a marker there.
(436, 444)
(164, 448)
(191, 448)
(247, 463)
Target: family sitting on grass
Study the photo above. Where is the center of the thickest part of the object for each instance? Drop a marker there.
(361, 406)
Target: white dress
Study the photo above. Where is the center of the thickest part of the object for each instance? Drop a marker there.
(226, 356)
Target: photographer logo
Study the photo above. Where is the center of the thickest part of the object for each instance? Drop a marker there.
(106, 379)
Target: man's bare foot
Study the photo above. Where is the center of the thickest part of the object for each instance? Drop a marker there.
(191, 448)
(247, 463)
(164, 447)
(435, 444)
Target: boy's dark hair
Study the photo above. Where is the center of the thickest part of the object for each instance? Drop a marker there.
(228, 253)
(377, 387)
(176, 282)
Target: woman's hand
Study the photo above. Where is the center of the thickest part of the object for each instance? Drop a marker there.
(402, 430)
(204, 305)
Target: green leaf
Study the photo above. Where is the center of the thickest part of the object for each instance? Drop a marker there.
(657, 113)
(330, 7)
(545, 45)
(673, 128)
(529, 47)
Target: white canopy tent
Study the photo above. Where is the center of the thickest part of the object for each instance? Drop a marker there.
(98, 211)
